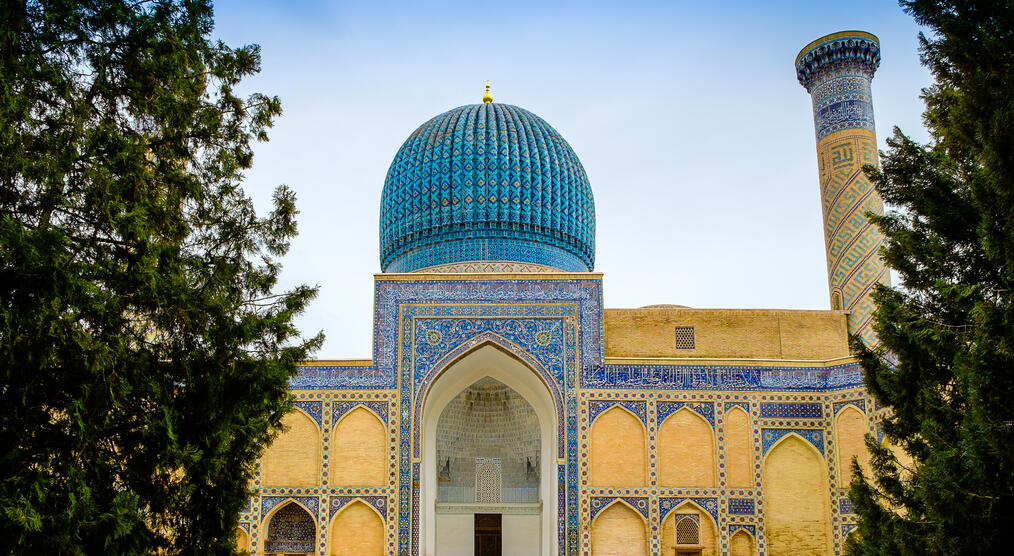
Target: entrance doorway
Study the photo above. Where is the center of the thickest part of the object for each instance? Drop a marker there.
(488, 535)
(487, 433)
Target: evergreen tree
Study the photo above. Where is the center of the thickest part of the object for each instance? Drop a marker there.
(946, 367)
(144, 349)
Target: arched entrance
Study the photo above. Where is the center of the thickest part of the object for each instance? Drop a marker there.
(488, 401)
(290, 530)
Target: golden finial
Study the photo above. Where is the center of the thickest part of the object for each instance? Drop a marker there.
(487, 98)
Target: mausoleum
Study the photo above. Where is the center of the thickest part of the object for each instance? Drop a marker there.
(505, 411)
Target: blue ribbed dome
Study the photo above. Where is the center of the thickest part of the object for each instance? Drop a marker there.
(486, 182)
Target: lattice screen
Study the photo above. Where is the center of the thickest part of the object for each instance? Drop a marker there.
(684, 337)
(688, 529)
(488, 479)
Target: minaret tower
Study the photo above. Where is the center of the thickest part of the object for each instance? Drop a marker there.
(837, 70)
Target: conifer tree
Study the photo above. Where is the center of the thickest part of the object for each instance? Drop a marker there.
(946, 367)
(144, 346)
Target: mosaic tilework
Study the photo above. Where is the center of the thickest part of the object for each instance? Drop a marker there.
(845, 506)
(553, 325)
(341, 408)
(837, 71)
(336, 503)
(332, 377)
(717, 377)
(493, 180)
(504, 267)
(745, 406)
(599, 503)
(269, 502)
(770, 437)
(706, 410)
(859, 404)
(668, 504)
(749, 529)
(595, 407)
(741, 506)
(313, 409)
(493, 248)
(792, 410)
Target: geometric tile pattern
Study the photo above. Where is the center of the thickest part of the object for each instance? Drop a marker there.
(595, 407)
(486, 182)
(859, 404)
(341, 408)
(845, 506)
(555, 326)
(741, 506)
(706, 410)
(667, 504)
(313, 409)
(599, 503)
(792, 410)
(770, 437)
(338, 502)
(837, 71)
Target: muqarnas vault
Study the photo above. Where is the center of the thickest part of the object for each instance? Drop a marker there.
(505, 411)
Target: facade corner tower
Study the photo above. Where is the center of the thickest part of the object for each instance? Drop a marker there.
(837, 70)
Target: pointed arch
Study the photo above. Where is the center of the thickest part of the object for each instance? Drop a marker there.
(796, 436)
(686, 450)
(359, 450)
(742, 543)
(242, 539)
(619, 530)
(293, 458)
(470, 347)
(514, 371)
(739, 471)
(307, 534)
(796, 504)
(617, 449)
(356, 529)
(707, 529)
(850, 428)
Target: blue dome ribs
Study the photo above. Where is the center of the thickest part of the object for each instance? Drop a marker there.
(486, 181)
(512, 180)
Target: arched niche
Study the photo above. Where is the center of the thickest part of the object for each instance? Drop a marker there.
(242, 539)
(850, 432)
(290, 529)
(356, 530)
(738, 449)
(617, 450)
(796, 505)
(707, 530)
(495, 362)
(293, 458)
(619, 530)
(685, 449)
(359, 450)
(742, 544)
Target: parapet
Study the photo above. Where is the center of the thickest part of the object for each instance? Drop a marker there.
(855, 50)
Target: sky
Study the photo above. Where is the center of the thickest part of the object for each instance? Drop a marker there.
(696, 137)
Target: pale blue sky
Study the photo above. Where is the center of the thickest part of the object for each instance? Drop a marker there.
(696, 137)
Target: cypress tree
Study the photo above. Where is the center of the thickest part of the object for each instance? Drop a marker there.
(945, 370)
(144, 344)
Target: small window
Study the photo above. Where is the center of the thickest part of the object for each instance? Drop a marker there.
(688, 530)
(684, 337)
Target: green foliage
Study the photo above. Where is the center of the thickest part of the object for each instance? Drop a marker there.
(145, 353)
(949, 378)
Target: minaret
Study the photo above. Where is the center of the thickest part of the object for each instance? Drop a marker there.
(836, 70)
